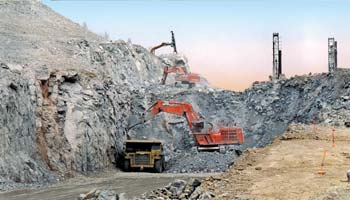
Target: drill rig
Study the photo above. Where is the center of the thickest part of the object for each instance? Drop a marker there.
(182, 76)
(206, 139)
(172, 44)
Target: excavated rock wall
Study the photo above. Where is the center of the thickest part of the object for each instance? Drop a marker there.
(74, 114)
(82, 122)
(19, 160)
(76, 118)
(84, 113)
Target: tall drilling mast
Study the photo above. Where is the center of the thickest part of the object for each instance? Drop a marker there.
(277, 57)
(332, 55)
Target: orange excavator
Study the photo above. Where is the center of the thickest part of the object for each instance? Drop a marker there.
(163, 44)
(182, 76)
(208, 139)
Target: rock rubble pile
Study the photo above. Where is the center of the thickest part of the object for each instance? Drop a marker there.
(179, 189)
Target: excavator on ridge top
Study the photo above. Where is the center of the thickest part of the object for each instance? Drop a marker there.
(163, 44)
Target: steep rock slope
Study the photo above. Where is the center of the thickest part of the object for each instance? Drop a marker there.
(74, 116)
(19, 160)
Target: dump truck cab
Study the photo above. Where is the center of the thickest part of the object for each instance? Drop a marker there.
(142, 154)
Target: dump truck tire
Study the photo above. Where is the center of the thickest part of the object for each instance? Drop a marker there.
(126, 165)
(158, 165)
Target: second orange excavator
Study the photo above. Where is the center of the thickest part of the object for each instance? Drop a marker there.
(206, 139)
(182, 76)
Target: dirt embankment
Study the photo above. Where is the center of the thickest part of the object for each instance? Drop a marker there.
(288, 168)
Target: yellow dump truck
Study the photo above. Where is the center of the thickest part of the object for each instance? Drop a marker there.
(142, 154)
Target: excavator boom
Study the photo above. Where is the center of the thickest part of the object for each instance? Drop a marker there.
(177, 108)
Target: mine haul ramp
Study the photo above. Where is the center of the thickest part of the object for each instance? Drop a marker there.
(143, 154)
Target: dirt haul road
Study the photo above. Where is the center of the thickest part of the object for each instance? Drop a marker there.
(132, 184)
(288, 168)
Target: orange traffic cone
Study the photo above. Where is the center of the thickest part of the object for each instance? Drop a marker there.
(321, 171)
(333, 144)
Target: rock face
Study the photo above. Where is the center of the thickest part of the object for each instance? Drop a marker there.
(79, 120)
(19, 161)
(74, 118)
(65, 94)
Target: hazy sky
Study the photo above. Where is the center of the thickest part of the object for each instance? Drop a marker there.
(229, 42)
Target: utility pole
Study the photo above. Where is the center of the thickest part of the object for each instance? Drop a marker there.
(277, 57)
(332, 55)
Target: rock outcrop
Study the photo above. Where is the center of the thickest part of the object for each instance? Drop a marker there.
(65, 94)
(19, 158)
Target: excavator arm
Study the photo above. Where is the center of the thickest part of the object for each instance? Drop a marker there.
(178, 108)
(163, 44)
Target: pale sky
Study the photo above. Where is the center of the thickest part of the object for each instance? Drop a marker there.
(229, 42)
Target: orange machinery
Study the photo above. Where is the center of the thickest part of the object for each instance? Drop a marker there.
(163, 44)
(206, 139)
(182, 75)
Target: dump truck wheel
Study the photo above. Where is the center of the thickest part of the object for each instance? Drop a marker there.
(158, 165)
(126, 166)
